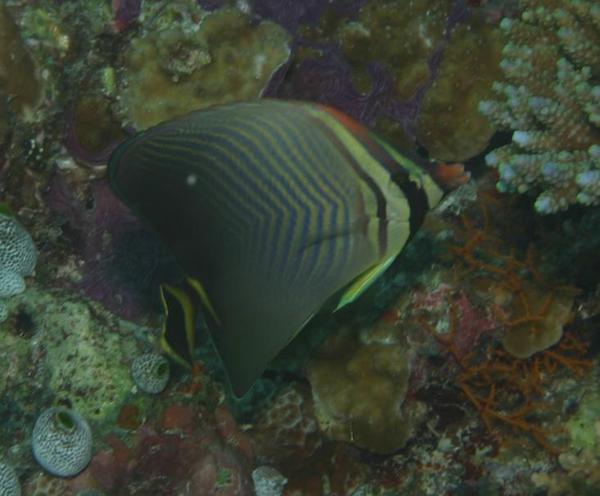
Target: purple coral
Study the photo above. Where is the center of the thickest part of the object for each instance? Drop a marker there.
(291, 13)
(123, 261)
(328, 79)
(126, 13)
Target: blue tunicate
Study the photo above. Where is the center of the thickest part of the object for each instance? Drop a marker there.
(507, 65)
(491, 159)
(565, 33)
(522, 138)
(62, 442)
(544, 204)
(538, 103)
(588, 178)
(506, 172)
(550, 170)
(9, 482)
(595, 151)
(150, 372)
(502, 187)
(584, 198)
(485, 107)
(506, 24)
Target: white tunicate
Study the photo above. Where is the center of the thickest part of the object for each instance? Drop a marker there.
(150, 372)
(11, 284)
(62, 442)
(9, 482)
(268, 481)
(18, 257)
(17, 250)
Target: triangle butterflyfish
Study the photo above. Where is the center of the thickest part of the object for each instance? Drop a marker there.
(271, 208)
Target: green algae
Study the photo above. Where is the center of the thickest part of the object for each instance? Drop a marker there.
(78, 355)
(584, 426)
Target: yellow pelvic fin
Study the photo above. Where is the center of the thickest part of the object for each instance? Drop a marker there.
(362, 282)
(201, 292)
(179, 327)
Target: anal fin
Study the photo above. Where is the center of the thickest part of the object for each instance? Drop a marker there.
(362, 282)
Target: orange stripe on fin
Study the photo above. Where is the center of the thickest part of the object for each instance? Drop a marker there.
(355, 127)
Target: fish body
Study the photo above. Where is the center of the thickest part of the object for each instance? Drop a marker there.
(272, 208)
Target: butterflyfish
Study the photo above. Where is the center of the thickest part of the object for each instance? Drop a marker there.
(271, 208)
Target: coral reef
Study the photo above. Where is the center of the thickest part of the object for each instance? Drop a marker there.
(203, 59)
(9, 482)
(62, 442)
(18, 256)
(447, 377)
(550, 99)
(150, 372)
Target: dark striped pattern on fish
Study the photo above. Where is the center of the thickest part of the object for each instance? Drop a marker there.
(273, 207)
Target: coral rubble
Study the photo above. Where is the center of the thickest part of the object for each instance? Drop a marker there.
(550, 99)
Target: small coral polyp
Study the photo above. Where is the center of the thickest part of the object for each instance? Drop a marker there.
(62, 442)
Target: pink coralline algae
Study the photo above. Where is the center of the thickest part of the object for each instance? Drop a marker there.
(327, 74)
(454, 308)
(197, 458)
(287, 430)
(126, 13)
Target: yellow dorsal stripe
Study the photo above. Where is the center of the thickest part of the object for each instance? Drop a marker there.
(394, 197)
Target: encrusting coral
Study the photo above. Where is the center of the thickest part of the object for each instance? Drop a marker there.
(203, 59)
(359, 388)
(551, 100)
